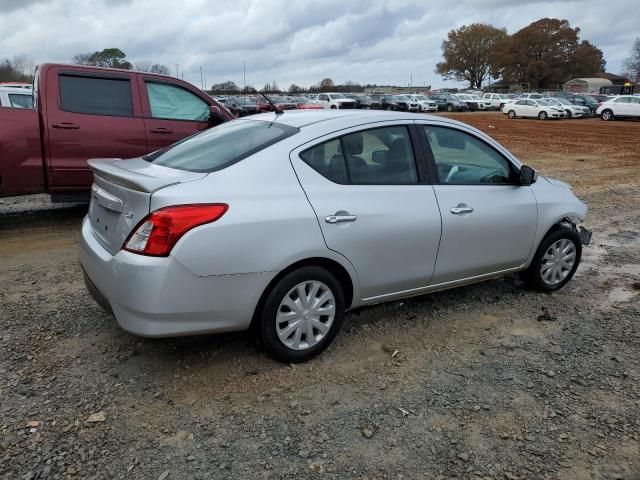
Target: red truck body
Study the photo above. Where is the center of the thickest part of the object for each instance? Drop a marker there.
(86, 112)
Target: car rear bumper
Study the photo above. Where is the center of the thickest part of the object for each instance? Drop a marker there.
(158, 297)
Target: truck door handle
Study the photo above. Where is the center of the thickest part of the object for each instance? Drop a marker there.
(340, 217)
(66, 125)
(161, 130)
(460, 209)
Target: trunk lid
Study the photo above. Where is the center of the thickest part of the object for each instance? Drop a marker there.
(121, 195)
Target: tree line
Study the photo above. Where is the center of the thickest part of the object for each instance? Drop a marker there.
(544, 54)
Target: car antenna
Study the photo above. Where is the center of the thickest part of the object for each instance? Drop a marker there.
(275, 109)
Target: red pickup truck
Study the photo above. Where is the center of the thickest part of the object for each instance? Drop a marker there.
(85, 112)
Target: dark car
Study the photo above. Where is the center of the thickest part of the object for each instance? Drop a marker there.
(585, 101)
(281, 103)
(364, 101)
(449, 103)
(241, 106)
(388, 102)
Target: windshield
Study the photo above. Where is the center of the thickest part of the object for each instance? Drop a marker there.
(279, 100)
(219, 147)
(590, 101)
(402, 98)
(337, 95)
(563, 101)
(365, 98)
(546, 103)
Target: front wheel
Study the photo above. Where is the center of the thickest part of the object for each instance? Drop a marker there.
(542, 115)
(607, 115)
(555, 261)
(449, 108)
(568, 113)
(302, 314)
(511, 114)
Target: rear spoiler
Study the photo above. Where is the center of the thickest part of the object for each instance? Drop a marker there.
(138, 174)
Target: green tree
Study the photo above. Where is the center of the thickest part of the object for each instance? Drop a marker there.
(468, 53)
(545, 54)
(109, 58)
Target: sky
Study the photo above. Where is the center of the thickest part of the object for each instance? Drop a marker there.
(293, 41)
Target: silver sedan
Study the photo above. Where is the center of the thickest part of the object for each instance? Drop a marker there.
(281, 223)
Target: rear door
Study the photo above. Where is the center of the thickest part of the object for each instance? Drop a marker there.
(89, 115)
(171, 111)
(374, 204)
(488, 220)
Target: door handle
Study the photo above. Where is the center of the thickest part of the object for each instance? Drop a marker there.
(66, 125)
(340, 217)
(161, 130)
(460, 209)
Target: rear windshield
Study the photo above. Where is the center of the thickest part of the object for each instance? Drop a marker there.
(219, 147)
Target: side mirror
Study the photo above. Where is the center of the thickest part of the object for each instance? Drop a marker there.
(527, 175)
(216, 116)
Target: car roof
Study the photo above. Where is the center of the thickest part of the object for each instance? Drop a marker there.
(303, 118)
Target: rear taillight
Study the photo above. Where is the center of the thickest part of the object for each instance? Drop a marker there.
(159, 231)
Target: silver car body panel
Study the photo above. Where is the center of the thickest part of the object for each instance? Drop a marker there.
(215, 275)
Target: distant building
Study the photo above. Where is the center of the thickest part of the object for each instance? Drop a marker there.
(600, 82)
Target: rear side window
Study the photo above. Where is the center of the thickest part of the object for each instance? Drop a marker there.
(327, 160)
(219, 147)
(96, 96)
(176, 103)
(380, 156)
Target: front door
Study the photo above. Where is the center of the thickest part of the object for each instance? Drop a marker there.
(374, 205)
(171, 112)
(488, 220)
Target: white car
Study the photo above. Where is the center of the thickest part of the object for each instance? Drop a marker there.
(474, 102)
(335, 101)
(541, 109)
(624, 106)
(497, 100)
(14, 97)
(424, 104)
(572, 111)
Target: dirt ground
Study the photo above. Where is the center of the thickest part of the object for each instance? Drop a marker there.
(489, 381)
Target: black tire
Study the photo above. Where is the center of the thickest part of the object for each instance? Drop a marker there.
(389, 108)
(543, 115)
(532, 276)
(607, 115)
(268, 330)
(449, 108)
(511, 114)
(568, 113)
(333, 107)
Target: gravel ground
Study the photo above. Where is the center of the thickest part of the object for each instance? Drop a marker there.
(486, 381)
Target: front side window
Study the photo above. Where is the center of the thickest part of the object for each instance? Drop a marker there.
(176, 103)
(20, 101)
(462, 159)
(95, 96)
(219, 147)
(381, 156)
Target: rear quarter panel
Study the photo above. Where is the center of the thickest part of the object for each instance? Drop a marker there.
(269, 225)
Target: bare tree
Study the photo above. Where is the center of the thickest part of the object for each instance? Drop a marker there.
(148, 66)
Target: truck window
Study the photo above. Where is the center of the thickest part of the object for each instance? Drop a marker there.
(96, 96)
(175, 103)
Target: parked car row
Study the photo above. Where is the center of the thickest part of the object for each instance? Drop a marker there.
(618, 107)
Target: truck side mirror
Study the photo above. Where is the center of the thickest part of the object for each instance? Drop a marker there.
(215, 115)
(527, 175)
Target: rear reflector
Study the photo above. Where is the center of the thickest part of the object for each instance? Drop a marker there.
(159, 231)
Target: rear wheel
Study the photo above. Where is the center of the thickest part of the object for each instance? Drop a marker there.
(389, 107)
(511, 114)
(568, 113)
(543, 115)
(607, 115)
(555, 261)
(302, 314)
